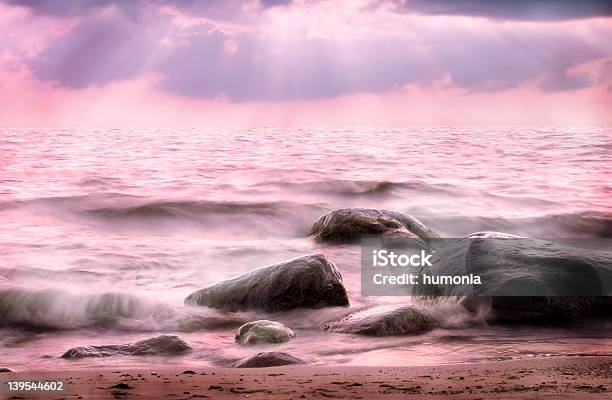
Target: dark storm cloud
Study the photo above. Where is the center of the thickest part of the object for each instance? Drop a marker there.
(536, 10)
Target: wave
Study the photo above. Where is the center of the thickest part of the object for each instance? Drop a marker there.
(170, 209)
(268, 217)
(349, 188)
(597, 224)
(591, 224)
(121, 205)
(76, 202)
(59, 309)
(293, 218)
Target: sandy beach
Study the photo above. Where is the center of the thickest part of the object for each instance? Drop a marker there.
(576, 377)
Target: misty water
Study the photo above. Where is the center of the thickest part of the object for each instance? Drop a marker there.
(103, 233)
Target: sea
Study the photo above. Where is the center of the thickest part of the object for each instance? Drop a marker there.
(104, 232)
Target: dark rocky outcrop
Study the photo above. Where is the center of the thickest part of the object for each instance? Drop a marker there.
(311, 281)
(268, 359)
(385, 321)
(263, 331)
(538, 309)
(159, 345)
(4, 369)
(524, 280)
(349, 225)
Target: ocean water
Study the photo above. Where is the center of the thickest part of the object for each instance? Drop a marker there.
(103, 233)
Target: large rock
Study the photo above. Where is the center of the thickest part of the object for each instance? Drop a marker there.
(385, 321)
(538, 309)
(349, 225)
(159, 345)
(268, 359)
(311, 281)
(263, 331)
(4, 369)
(524, 280)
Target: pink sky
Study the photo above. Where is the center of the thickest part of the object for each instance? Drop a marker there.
(250, 62)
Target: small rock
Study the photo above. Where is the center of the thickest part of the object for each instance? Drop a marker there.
(159, 345)
(268, 359)
(385, 321)
(263, 331)
(121, 386)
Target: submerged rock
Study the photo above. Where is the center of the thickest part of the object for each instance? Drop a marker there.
(538, 309)
(268, 359)
(385, 321)
(349, 225)
(311, 281)
(263, 331)
(159, 345)
(524, 280)
(193, 323)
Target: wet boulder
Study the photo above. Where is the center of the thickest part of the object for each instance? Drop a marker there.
(538, 309)
(194, 323)
(268, 359)
(263, 331)
(349, 225)
(159, 345)
(523, 280)
(311, 281)
(385, 321)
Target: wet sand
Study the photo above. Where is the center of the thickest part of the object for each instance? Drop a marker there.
(583, 377)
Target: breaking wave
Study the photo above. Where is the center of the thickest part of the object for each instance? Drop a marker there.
(58, 309)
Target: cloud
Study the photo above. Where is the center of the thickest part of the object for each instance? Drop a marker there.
(223, 9)
(99, 50)
(310, 69)
(604, 73)
(562, 81)
(289, 54)
(62, 7)
(274, 3)
(532, 10)
(500, 59)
